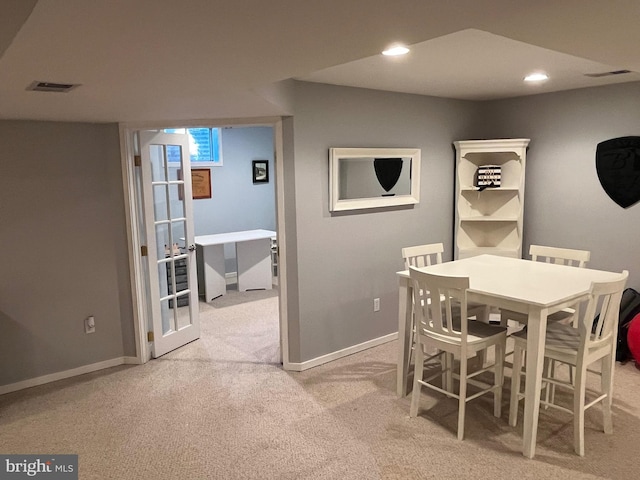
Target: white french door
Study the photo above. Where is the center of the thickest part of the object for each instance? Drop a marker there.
(168, 228)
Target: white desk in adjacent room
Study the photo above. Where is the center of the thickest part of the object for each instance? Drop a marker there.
(253, 255)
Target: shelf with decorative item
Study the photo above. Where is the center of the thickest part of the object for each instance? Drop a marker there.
(489, 201)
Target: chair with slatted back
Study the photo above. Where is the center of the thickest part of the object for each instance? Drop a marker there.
(442, 324)
(422, 255)
(431, 254)
(593, 340)
(560, 256)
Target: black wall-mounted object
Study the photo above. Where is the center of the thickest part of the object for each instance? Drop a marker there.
(387, 171)
(618, 168)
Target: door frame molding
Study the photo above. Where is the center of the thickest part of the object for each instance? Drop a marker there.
(138, 291)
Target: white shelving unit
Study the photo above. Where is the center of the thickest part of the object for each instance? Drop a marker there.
(489, 220)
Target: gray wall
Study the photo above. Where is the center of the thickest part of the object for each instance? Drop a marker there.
(565, 205)
(287, 190)
(63, 235)
(346, 260)
(237, 203)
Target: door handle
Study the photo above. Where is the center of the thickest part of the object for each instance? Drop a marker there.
(192, 248)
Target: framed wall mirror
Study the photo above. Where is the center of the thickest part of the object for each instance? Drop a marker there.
(373, 177)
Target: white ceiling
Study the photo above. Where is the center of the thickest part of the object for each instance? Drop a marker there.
(140, 60)
(471, 65)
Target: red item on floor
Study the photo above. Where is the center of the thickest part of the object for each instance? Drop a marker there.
(633, 338)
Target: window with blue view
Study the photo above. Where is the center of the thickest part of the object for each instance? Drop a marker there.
(205, 146)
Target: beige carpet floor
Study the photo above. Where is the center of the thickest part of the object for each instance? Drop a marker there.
(223, 408)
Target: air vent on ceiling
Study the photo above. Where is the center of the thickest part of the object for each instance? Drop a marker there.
(52, 87)
(607, 74)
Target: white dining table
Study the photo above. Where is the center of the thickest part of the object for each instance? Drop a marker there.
(537, 289)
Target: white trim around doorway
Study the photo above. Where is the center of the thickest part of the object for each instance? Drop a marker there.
(139, 297)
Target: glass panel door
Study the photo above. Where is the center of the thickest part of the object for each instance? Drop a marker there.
(171, 254)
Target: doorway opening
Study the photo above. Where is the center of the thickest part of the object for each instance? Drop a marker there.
(238, 191)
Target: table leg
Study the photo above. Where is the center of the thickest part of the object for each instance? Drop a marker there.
(536, 332)
(211, 271)
(253, 258)
(404, 335)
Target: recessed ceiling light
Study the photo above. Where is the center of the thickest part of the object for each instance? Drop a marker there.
(397, 50)
(536, 77)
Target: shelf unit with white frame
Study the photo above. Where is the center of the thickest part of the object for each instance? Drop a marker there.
(489, 220)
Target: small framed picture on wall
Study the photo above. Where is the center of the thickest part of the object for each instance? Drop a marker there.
(201, 183)
(260, 171)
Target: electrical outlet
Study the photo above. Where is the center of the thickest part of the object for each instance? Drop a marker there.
(376, 304)
(90, 324)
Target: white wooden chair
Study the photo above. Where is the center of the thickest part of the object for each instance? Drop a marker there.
(427, 255)
(558, 256)
(422, 255)
(561, 256)
(592, 341)
(431, 254)
(441, 316)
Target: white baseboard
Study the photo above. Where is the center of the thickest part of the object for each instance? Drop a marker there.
(114, 362)
(131, 361)
(314, 362)
(52, 377)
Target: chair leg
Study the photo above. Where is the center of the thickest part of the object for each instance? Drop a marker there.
(449, 374)
(515, 385)
(417, 376)
(412, 339)
(578, 409)
(571, 379)
(443, 367)
(499, 378)
(550, 388)
(607, 387)
(483, 317)
(462, 403)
